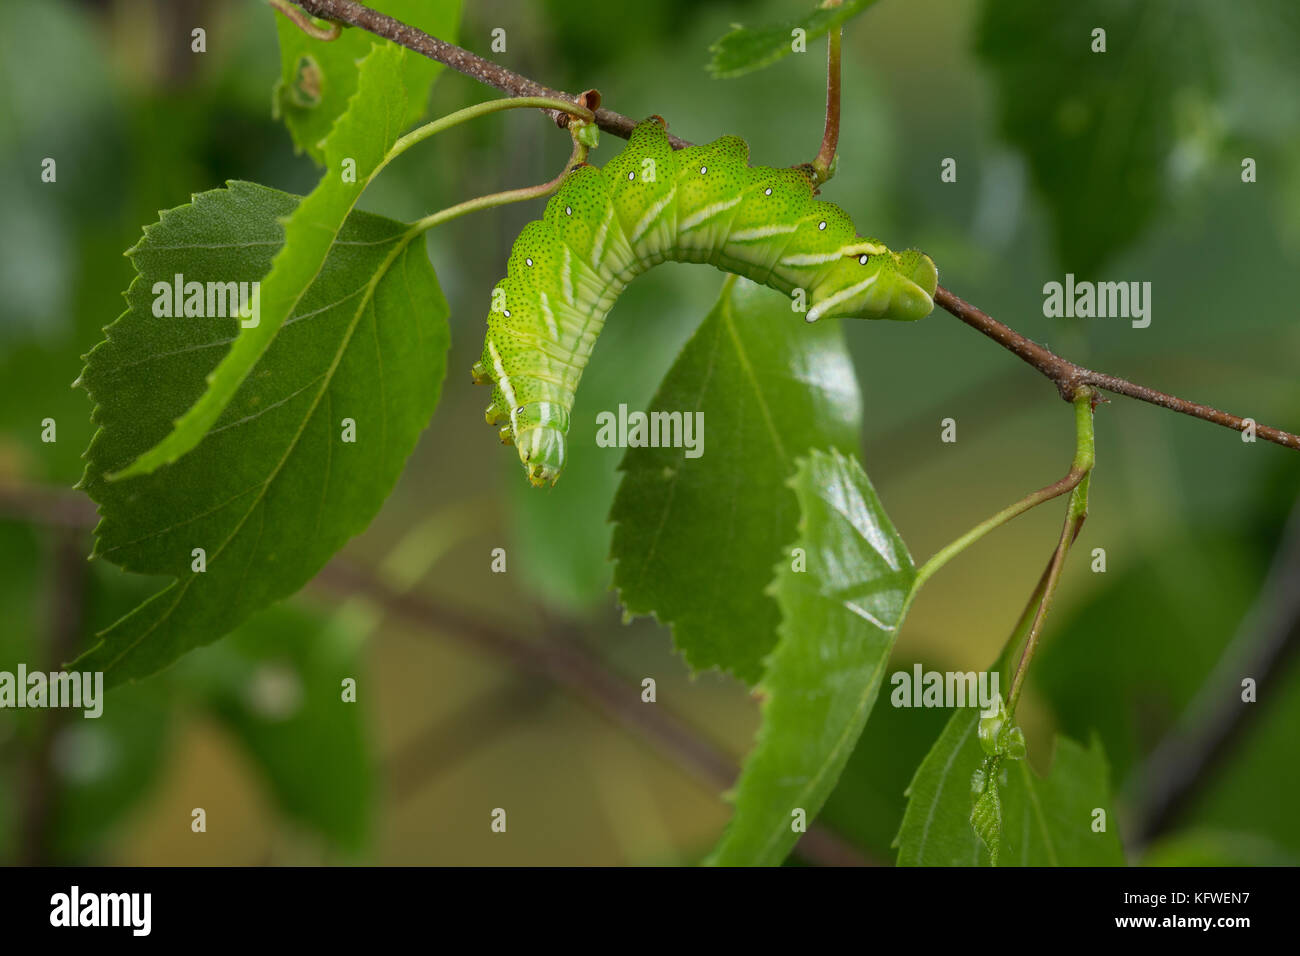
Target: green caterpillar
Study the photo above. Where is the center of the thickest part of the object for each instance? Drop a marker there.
(604, 227)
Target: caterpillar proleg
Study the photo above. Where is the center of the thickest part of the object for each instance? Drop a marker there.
(649, 204)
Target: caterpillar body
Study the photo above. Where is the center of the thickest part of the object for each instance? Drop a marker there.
(651, 204)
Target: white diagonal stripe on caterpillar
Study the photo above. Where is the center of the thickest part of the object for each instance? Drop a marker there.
(502, 379)
(602, 234)
(761, 232)
(821, 308)
(651, 216)
(545, 305)
(566, 275)
(697, 219)
(810, 258)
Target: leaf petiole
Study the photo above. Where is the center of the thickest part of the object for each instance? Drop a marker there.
(823, 166)
(1076, 478)
(502, 198)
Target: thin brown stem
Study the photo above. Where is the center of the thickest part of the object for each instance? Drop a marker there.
(1085, 456)
(493, 200)
(324, 34)
(1069, 531)
(1069, 377)
(460, 60)
(831, 136)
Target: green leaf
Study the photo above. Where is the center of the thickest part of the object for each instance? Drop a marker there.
(986, 816)
(1044, 821)
(317, 79)
(272, 491)
(362, 137)
(1107, 135)
(276, 686)
(109, 766)
(746, 49)
(1255, 789)
(696, 538)
(840, 617)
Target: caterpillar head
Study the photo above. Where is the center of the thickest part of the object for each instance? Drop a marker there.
(871, 282)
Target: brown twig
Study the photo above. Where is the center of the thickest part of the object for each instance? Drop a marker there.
(831, 135)
(52, 507)
(1069, 377)
(459, 59)
(324, 34)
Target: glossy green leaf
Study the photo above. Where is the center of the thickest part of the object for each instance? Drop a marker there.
(746, 49)
(1043, 821)
(317, 79)
(696, 539)
(354, 151)
(841, 599)
(273, 490)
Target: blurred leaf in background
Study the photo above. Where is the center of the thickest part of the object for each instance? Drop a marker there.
(53, 230)
(275, 685)
(1120, 105)
(1150, 618)
(278, 686)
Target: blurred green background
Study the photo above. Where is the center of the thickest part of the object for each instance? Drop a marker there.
(1122, 166)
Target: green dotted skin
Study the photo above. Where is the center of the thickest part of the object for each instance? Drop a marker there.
(649, 204)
